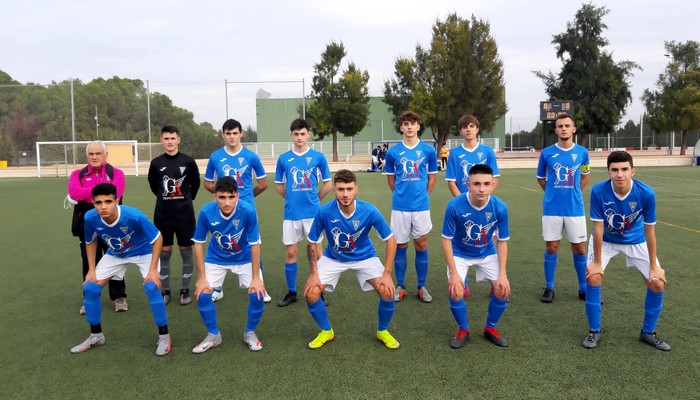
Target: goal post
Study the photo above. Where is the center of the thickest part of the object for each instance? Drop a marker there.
(61, 158)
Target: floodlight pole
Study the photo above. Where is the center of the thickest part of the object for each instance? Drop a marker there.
(226, 93)
(148, 107)
(72, 118)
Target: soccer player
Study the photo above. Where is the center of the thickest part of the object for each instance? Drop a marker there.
(235, 247)
(174, 180)
(347, 222)
(463, 157)
(623, 211)
(131, 239)
(563, 172)
(239, 162)
(303, 179)
(471, 222)
(444, 152)
(80, 187)
(411, 172)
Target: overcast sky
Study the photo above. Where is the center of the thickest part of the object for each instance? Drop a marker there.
(187, 49)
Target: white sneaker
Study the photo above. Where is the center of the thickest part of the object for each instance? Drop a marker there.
(267, 297)
(210, 341)
(217, 295)
(94, 340)
(82, 310)
(252, 341)
(163, 345)
(120, 304)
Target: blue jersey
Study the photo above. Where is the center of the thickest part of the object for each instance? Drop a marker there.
(132, 234)
(411, 167)
(231, 237)
(301, 174)
(471, 229)
(623, 217)
(461, 160)
(240, 166)
(563, 169)
(348, 236)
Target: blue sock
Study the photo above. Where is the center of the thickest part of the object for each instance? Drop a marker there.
(496, 309)
(550, 267)
(385, 310)
(290, 271)
(580, 267)
(318, 311)
(207, 310)
(593, 309)
(91, 301)
(400, 264)
(256, 306)
(652, 309)
(157, 303)
(459, 312)
(422, 267)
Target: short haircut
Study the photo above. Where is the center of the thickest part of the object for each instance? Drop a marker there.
(344, 176)
(465, 120)
(101, 143)
(169, 129)
(480, 169)
(299, 124)
(409, 116)
(226, 185)
(104, 189)
(565, 115)
(231, 124)
(620, 157)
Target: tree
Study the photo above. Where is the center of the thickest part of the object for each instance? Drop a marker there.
(250, 135)
(589, 77)
(676, 103)
(461, 73)
(341, 98)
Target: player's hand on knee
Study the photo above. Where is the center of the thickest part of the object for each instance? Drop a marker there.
(385, 286)
(312, 289)
(502, 288)
(455, 287)
(202, 286)
(657, 279)
(153, 276)
(593, 269)
(90, 277)
(258, 287)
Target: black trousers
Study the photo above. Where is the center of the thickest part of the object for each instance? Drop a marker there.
(117, 289)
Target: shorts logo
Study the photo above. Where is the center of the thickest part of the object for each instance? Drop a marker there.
(344, 242)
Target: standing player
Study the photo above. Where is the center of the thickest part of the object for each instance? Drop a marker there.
(623, 211)
(471, 222)
(174, 180)
(411, 171)
(347, 223)
(463, 158)
(563, 172)
(235, 247)
(444, 153)
(240, 163)
(132, 239)
(298, 175)
(80, 187)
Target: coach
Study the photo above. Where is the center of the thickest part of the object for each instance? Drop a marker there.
(80, 186)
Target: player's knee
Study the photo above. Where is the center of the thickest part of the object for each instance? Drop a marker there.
(402, 245)
(578, 248)
(459, 296)
(313, 295)
(656, 285)
(595, 279)
(552, 247)
(384, 293)
(421, 243)
(291, 254)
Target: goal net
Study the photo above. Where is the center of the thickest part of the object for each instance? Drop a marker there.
(61, 158)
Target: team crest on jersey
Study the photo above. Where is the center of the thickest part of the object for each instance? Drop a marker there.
(633, 205)
(172, 187)
(618, 222)
(477, 235)
(308, 160)
(355, 223)
(419, 152)
(119, 245)
(488, 215)
(236, 222)
(240, 160)
(479, 154)
(228, 243)
(124, 229)
(574, 156)
(182, 170)
(344, 242)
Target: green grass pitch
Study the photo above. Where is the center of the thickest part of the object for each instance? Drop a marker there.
(40, 272)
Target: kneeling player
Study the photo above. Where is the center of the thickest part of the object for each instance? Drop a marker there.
(347, 222)
(234, 247)
(471, 221)
(623, 211)
(131, 239)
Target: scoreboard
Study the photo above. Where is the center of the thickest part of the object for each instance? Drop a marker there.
(550, 110)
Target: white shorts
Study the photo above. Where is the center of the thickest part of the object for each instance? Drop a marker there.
(486, 267)
(329, 271)
(293, 231)
(575, 227)
(637, 255)
(111, 267)
(216, 273)
(410, 223)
